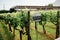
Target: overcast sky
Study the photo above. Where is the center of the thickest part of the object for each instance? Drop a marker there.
(7, 4)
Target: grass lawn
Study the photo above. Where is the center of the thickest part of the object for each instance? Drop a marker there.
(5, 34)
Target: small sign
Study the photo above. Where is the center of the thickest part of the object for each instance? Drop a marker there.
(37, 17)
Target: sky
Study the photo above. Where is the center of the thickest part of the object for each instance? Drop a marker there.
(7, 4)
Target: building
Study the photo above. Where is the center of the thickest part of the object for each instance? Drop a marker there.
(37, 7)
(56, 5)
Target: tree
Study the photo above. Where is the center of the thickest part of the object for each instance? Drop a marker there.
(8, 20)
(55, 20)
(43, 22)
(14, 23)
(50, 5)
(23, 21)
(12, 10)
(4, 11)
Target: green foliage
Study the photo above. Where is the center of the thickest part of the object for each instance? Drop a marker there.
(43, 19)
(12, 10)
(4, 11)
(50, 5)
(53, 18)
(14, 22)
(22, 18)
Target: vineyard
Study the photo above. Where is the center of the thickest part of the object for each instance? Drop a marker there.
(21, 26)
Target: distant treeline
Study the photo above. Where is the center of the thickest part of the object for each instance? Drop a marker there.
(8, 11)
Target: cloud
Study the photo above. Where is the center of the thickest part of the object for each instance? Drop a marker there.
(10, 3)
